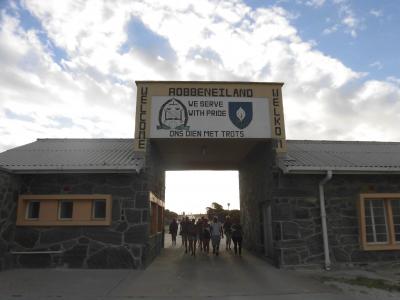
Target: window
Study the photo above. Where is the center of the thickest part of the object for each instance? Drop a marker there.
(99, 209)
(380, 221)
(32, 210)
(65, 211)
(154, 217)
(157, 214)
(160, 220)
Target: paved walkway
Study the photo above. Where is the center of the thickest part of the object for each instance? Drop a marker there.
(173, 275)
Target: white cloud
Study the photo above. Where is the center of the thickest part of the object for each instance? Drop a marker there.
(315, 3)
(209, 40)
(330, 30)
(376, 13)
(376, 64)
(348, 19)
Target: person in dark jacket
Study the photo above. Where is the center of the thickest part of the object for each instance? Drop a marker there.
(192, 236)
(173, 230)
(206, 236)
(228, 232)
(237, 237)
(185, 233)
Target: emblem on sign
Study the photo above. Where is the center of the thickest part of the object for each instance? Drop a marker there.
(173, 115)
(241, 113)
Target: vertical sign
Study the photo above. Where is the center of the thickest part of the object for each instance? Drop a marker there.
(142, 116)
(278, 128)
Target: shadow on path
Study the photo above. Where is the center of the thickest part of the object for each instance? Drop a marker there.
(173, 275)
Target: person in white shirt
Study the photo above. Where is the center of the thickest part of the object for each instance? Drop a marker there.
(216, 234)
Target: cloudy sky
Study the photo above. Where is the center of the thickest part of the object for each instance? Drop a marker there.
(67, 68)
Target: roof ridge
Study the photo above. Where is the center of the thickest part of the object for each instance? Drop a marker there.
(343, 142)
(84, 139)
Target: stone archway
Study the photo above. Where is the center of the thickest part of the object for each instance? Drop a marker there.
(212, 126)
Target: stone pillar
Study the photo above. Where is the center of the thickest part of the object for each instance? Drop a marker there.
(255, 180)
(9, 185)
(155, 178)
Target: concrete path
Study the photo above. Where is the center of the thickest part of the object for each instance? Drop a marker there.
(174, 275)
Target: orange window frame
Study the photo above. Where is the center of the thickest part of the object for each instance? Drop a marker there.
(156, 214)
(387, 199)
(49, 210)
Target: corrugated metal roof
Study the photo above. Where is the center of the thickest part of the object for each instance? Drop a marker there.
(117, 155)
(347, 157)
(73, 155)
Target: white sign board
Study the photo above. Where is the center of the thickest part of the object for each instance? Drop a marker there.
(209, 117)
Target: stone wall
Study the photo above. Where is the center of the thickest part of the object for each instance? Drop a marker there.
(122, 245)
(255, 180)
(9, 186)
(342, 195)
(297, 221)
(155, 174)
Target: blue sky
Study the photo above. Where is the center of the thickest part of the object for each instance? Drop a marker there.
(67, 68)
(373, 49)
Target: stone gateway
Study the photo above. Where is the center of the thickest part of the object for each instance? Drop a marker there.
(99, 203)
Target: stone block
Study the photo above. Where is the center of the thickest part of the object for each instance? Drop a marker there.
(307, 201)
(340, 255)
(103, 235)
(349, 239)
(119, 180)
(83, 240)
(69, 244)
(133, 216)
(9, 232)
(290, 257)
(59, 234)
(137, 234)
(128, 203)
(94, 247)
(344, 230)
(121, 191)
(121, 226)
(74, 258)
(145, 216)
(83, 188)
(315, 259)
(26, 237)
(3, 214)
(3, 248)
(364, 256)
(142, 200)
(315, 244)
(136, 251)
(111, 258)
(102, 189)
(34, 260)
(282, 211)
(301, 213)
(116, 210)
(68, 179)
(290, 230)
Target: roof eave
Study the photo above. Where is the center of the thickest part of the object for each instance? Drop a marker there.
(337, 170)
(78, 169)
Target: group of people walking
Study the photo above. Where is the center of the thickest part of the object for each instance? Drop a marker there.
(199, 234)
